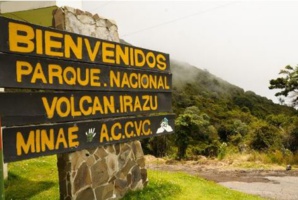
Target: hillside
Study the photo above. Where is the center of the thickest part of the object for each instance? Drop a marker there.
(201, 85)
(216, 118)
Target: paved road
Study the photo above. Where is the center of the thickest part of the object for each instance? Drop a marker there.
(279, 188)
(272, 184)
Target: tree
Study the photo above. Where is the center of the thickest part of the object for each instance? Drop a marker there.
(191, 125)
(287, 83)
(265, 136)
(183, 126)
(290, 134)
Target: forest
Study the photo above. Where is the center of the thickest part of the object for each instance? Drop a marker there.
(215, 119)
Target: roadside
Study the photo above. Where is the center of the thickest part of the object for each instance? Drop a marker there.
(275, 183)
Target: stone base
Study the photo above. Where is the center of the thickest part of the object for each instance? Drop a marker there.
(102, 173)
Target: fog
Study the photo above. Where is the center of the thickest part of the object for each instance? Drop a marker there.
(244, 42)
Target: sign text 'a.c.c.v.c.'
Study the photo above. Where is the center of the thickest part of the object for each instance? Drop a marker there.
(32, 141)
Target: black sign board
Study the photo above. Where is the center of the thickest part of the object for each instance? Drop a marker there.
(91, 80)
(33, 141)
(24, 38)
(33, 108)
(43, 73)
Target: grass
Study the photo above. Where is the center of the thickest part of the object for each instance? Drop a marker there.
(33, 179)
(256, 160)
(181, 186)
(36, 179)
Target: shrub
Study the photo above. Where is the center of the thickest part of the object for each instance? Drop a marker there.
(222, 151)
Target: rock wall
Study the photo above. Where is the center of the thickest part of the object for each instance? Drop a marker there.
(77, 21)
(102, 173)
(105, 172)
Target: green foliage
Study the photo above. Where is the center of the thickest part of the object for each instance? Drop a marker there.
(158, 145)
(192, 127)
(277, 120)
(290, 133)
(287, 83)
(283, 156)
(222, 151)
(243, 102)
(183, 125)
(265, 136)
(280, 157)
(210, 111)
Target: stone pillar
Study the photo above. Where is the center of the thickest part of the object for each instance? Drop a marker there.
(5, 171)
(105, 172)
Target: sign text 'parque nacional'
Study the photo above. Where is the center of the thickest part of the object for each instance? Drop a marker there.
(24, 38)
(103, 92)
(43, 73)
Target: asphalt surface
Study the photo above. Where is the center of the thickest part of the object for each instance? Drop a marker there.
(270, 184)
(277, 187)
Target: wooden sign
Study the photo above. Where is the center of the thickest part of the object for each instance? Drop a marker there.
(110, 79)
(1, 165)
(43, 73)
(33, 108)
(28, 39)
(33, 141)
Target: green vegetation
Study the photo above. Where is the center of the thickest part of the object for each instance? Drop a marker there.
(287, 83)
(180, 186)
(33, 179)
(215, 118)
(38, 179)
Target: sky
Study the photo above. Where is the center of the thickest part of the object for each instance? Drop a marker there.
(245, 43)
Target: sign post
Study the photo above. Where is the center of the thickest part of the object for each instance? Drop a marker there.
(1, 166)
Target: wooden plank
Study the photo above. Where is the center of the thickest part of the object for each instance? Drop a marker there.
(24, 38)
(2, 192)
(33, 141)
(34, 108)
(43, 73)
